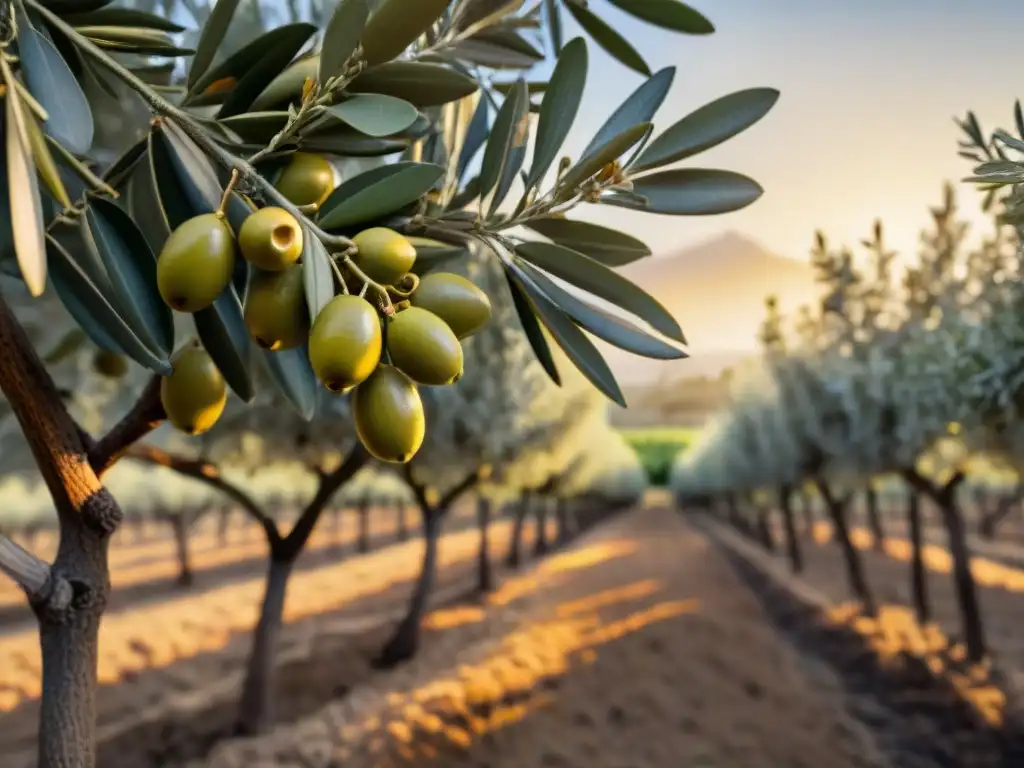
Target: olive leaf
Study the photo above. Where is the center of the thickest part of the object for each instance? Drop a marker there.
(559, 108)
(497, 48)
(395, 24)
(341, 37)
(595, 278)
(690, 192)
(210, 38)
(317, 275)
(476, 135)
(275, 50)
(45, 164)
(608, 246)
(554, 25)
(375, 114)
(604, 35)
(577, 347)
(221, 329)
(708, 127)
(422, 84)
(532, 328)
(667, 14)
(122, 17)
(510, 132)
(614, 330)
(349, 143)
(94, 314)
(287, 86)
(52, 84)
(639, 107)
(378, 192)
(131, 268)
(26, 208)
(594, 162)
(291, 372)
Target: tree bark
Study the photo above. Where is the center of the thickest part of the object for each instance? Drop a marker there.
(485, 574)
(836, 509)
(363, 543)
(515, 544)
(540, 543)
(405, 641)
(180, 526)
(256, 711)
(796, 557)
(918, 574)
(874, 516)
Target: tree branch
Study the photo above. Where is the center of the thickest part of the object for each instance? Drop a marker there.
(146, 415)
(330, 484)
(449, 498)
(50, 431)
(28, 571)
(419, 490)
(208, 473)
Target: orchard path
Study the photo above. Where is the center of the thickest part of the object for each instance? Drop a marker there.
(637, 647)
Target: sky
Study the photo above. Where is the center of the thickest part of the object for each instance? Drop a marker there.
(864, 125)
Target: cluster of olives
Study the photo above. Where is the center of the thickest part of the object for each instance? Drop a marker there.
(381, 351)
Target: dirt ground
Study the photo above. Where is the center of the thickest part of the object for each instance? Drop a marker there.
(638, 647)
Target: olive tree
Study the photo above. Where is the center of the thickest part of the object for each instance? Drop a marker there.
(216, 243)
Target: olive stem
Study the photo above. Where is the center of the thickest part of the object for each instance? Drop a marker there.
(381, 290)
(341, 277)
(195, 132)
(228, 189)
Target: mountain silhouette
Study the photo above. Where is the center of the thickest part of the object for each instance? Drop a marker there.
(716, 290)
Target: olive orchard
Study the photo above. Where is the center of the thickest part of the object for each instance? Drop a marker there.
(215, 251)
(903, 384)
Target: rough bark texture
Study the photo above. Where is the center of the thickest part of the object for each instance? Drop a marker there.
(405, 640)
(485, 574)
(874, 516)
(918, 574)
(255, 710)
(793, 550)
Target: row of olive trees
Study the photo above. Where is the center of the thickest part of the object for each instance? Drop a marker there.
(889, 380)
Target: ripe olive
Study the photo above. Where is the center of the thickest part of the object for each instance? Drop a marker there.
(456, 300)
(275, 309)
(270, 239)
(384, 255)
(195, 393)
(196, 263)
(388, 414)
(308, 179)
(423, 347)
(345, 342)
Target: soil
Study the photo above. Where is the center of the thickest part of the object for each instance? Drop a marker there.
(637, 647)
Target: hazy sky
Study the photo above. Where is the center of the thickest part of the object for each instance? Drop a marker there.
(863, 129)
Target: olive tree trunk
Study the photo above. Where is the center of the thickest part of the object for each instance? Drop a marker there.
(918, 574)
(874, 516)
(515, 544)
(363, 540)
(180, 524)
(793, 550)
(836, 508)
(405, 641)
(567, 523)
(966, 589)
(485, 573)
(540, 543)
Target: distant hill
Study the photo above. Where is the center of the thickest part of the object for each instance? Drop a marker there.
(716, 289)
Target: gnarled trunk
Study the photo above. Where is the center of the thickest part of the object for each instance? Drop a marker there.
(405, 640)
(255, 711)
